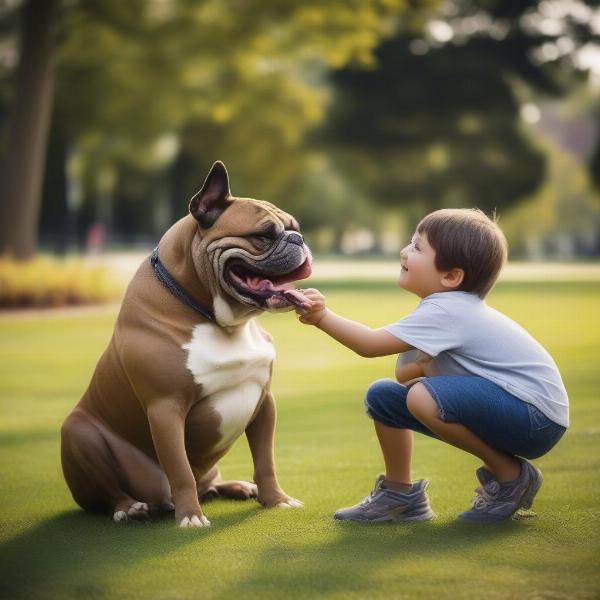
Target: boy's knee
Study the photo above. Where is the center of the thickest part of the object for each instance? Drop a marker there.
(386, 403)
(378, 396)
(377, 392)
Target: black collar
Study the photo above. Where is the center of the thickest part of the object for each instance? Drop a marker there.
(167, 280)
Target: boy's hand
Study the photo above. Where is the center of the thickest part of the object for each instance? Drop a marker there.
(314, 314)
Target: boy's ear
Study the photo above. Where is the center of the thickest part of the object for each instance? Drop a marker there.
(211, 201)
(453, 278)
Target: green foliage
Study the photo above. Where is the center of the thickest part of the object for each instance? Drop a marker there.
(327, 455)
(439, 129)
(131, 72)
(150, 92)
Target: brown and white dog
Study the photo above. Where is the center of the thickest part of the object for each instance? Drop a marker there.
(188, 368)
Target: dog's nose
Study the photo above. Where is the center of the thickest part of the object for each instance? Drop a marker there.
(295, 238)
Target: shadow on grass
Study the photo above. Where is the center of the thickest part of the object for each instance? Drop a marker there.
(352, 561)
(75, 552)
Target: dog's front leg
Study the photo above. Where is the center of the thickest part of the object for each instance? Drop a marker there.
(167, 424)
(261, 438)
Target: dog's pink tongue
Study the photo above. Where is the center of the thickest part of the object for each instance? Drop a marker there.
(297, 297)
(283, 299)
(284, 291)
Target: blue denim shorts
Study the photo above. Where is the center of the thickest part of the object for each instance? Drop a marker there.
(497, 417)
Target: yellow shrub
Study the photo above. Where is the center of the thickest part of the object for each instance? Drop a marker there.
(45, 281)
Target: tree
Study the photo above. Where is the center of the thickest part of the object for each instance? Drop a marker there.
(436, 130)
(440, 114)
(130, 73)
(21, 172)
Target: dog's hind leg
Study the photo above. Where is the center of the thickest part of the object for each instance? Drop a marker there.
(212, 485)
(106, 473)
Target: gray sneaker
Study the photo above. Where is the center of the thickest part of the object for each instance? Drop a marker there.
(497, 501)
(383, 504)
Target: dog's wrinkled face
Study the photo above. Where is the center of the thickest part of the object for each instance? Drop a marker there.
(252, 250)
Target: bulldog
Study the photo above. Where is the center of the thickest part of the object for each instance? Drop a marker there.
(188, 368)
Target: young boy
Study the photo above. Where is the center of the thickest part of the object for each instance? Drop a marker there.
(489, 389)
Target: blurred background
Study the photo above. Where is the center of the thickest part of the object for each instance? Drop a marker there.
(357, 116)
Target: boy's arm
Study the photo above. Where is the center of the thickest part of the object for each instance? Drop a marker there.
(356, 336)
(408, 372)
(413, 370)
(363, 340)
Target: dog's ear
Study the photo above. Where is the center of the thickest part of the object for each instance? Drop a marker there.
(214, 198)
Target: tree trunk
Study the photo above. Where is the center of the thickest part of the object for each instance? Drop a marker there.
(55, 230)
(21, 174)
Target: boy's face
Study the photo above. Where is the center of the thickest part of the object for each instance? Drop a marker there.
(418, 273)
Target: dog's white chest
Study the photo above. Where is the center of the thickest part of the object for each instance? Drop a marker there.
(233, 368)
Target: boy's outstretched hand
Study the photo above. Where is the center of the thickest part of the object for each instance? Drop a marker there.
(363, 340)
(316, 311)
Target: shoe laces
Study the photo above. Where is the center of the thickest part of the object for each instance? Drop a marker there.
(486, 495)
(366, 501)
(375, 492)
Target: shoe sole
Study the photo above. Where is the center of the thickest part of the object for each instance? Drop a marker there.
(400, 519)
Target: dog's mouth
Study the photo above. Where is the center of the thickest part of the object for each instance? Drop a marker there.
(269, 290)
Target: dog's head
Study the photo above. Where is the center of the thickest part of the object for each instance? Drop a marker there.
(250, 250)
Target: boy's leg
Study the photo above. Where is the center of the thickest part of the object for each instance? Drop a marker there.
(396, 447)
(385, 403)
(406, 501)
(422, 405)
(507, 483)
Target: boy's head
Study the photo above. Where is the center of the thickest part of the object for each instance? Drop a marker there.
(462, 248)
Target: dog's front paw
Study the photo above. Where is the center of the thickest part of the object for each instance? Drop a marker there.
(194, 521)
(278, 499)
(290, 503)
(188, 512)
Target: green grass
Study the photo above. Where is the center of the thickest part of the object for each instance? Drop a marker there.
(327, 456)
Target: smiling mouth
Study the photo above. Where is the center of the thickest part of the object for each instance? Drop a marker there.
(269, 290)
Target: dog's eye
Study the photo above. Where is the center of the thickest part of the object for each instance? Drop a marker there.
(261, 239)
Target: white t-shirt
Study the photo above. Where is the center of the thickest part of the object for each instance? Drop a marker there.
(467, 337)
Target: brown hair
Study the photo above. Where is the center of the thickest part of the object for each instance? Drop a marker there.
(467, 239)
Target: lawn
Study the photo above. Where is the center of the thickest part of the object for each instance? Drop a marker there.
(327, 456)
